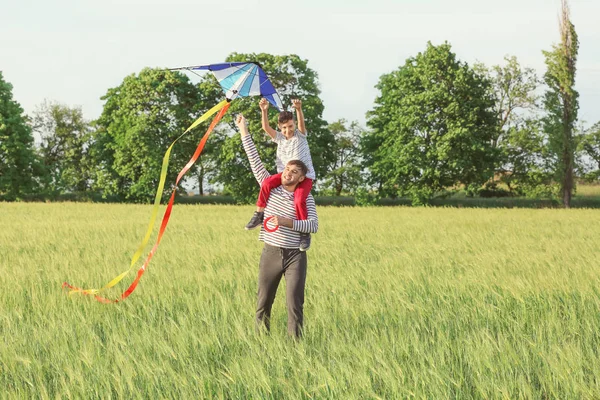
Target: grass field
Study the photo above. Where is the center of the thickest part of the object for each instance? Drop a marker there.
(401, 303)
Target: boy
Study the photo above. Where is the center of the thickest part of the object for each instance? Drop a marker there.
(291, 145)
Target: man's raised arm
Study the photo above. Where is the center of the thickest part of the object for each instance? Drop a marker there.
(258, 169)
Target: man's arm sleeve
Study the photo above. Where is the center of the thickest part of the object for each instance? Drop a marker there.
(310, 225)
(258, 169)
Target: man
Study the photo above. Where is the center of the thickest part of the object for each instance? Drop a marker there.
(281, 255)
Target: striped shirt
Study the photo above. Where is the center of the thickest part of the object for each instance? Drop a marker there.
(295, 148)
(281, 204)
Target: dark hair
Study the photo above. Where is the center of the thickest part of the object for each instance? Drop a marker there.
(300, 165)
(285, 116)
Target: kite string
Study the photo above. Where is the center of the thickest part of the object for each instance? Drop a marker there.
(222, 107)
(167, 214)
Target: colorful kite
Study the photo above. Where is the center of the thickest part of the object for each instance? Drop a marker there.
(238, 79)
(242, 79)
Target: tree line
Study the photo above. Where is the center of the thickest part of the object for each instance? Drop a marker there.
(438, 125)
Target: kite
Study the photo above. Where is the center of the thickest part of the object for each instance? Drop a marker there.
(242, 79)
(237, 79)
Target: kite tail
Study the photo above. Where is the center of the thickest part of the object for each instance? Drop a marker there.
(222, 108)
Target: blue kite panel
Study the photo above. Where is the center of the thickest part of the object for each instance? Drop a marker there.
(218, 67)
(271, 100)
(235, 76)
(265, 84)
(245, 89)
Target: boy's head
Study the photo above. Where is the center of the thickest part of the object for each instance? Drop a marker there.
(286, 124)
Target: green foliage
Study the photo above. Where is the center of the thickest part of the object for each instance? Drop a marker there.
(20, 169)
(292, 78)
(514, 89)
(234, 169)
(364, 197)
(589, 146)
(432, 127)
(207, 166)
(344, 173)
(524, 160)
(141, 118)
(561, 102)
(528, 171)
(64, 149)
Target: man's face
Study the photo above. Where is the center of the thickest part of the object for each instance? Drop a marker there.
(288, 128)
(291, 175)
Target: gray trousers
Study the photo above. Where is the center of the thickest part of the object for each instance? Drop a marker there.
(276, 262)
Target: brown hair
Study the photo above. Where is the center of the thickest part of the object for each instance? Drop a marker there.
(300, 165)
(285, 116)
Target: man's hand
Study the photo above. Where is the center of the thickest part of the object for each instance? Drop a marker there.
(263, 104)
(297, 104)
(287, 222)
(242, 124)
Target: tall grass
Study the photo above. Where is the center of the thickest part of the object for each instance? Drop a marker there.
(401, 303)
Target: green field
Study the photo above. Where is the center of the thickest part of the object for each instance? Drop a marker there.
(401, 303)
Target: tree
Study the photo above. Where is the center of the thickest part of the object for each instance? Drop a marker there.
(524, 160)
(432, 127)
(65, 138)
(207, 165)
(140, 119)
(292, 78)
(514, 89)
(561, 102)
(528, 162)
(344, 173)
(20, 169)
(589, 145)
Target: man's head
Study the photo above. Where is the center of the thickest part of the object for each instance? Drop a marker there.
(294, 172)
(286, 124)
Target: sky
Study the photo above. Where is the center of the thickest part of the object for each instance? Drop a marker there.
(73, 51)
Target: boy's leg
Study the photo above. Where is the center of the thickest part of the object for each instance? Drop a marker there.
(302, 192)
(300, 196)
(265, 191)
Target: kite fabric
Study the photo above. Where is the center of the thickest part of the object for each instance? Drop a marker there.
(241, 79)
(237, 80)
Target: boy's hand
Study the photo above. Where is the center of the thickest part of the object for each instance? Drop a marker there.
(297, 104)
(263, 104)
(241, 122)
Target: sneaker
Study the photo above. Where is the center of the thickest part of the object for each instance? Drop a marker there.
(304, 241)
(256, 220)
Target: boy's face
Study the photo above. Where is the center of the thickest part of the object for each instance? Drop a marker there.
(288, 128)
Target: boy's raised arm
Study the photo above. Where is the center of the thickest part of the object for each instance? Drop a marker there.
(264, 111)
(297, 104)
